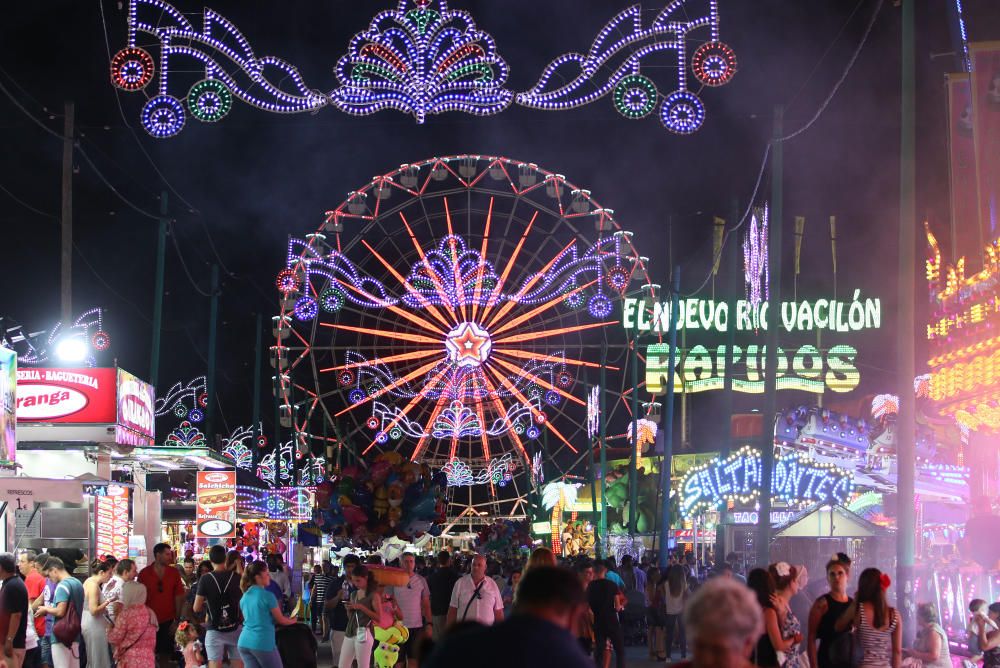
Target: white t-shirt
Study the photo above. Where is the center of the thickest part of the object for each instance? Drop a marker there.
(409, 597)
(482, 608)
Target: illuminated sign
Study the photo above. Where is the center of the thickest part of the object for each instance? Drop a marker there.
(8, 404)
(216, 505)
(136, 406)
(80, 396)
(699, 369)
(752, 516)
(111, 522)
(282, 503)
(796, 316)
(796, 480)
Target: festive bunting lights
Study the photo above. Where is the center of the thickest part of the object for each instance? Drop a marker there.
(755, 262)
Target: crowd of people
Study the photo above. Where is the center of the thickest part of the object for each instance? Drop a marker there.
(533, 612)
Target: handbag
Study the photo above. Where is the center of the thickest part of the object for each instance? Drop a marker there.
(67, 628)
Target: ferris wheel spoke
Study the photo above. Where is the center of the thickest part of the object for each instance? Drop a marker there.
(507, 269)
(530, 336)
(388, 388)
(524, 317)
(528, 285)
(403, 313)
(406, 284)
(402, 357)
(492, 392)
(442, 295)
(401, 336)
(523, 354)
(422, 394)
(456, 278)
(482, 260)
(520, 397)
(422, 441)
(482, 431)
(536, 379)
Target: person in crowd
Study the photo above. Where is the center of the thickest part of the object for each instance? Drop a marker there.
(585, 619)
(13, 611)
(125, 571)
(336, 612)
(603, 597)
(441, 583)
(675, 593)
(801, 602)
(281, 585)
(476, 597)
(45, 639)
(187, 571)
(414, 601)
(132, 634)
(34, 584)
(538, 634)
(261, 613)
(68, 590)
(541, 556)
(765, 652)
(724, 622)
(786, 586)
(656, 614)
(187, 639)
(204, 567)
(317, 600)
(989, 637)
(363, 609)
(165, 595)
(612, 574)
(218, 597)
(508, 590)
(826, 646)
(93, 621)
(877, 627)
(978, 619)
(930, 647)
(634, 579)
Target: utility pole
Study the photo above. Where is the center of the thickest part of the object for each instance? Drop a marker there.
(668, 435)
(774, 255)
(603, 425)
(735, 287)
(161, 256)
(633, 469)
(257, 354)
(213, 328)
(66, 251)
(905, 434)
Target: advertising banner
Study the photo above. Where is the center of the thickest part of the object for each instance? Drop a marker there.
(111, 523)
(80, 396)
(986, 130)
(216, 515)
(136, 419)
(8, 399)
(967, 237)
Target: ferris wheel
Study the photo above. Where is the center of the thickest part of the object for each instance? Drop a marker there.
(458, 311)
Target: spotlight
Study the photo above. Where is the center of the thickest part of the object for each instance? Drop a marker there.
(72, 349)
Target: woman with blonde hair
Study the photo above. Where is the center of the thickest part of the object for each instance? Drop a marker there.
(930, 647)
(542, 556)
(723, 622)
(133, 632)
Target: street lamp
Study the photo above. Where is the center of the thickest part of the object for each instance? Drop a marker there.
(72, 349)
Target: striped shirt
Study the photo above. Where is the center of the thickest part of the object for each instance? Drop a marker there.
(877, 645)
(320, 582)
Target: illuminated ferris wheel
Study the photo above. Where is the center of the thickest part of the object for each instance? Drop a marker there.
(455, 311)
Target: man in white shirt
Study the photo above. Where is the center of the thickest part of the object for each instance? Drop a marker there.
(476, 597)
(415, 603)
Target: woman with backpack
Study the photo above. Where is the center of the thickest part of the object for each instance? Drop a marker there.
(133, 633)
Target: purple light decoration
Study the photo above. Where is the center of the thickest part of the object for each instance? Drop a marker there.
(552, 398)
(306, 308)
(682, 112)
(196, 415)
(356, 395)
(422, 61)
(533, 432)
(600, 306)
(755, 269)
(163, 116)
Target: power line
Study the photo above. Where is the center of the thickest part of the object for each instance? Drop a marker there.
(100, 175)
(194, 284)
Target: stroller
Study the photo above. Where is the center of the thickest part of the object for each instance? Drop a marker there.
(634, 622)
(297, 646)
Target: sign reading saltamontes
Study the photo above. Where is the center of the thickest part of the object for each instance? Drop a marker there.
(216, 515)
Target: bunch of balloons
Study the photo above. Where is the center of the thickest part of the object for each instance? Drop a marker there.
(392, 497)
(503, 538)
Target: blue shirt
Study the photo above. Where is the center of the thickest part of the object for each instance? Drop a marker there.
(50, 589)
(617, 579)
(70, 589)
(258, 624)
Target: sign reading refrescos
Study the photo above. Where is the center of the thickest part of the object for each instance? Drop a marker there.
(797, 480)
(216, 515)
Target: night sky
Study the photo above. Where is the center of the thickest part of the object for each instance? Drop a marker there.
(240, 187)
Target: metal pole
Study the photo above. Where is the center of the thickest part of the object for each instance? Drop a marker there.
(763, 538)
(668, 433)
(161, 254)
(66, 250)
(257, 354)
(734, 289)
(604, 457)
(905, 435)
(213, 327)
(633, 469)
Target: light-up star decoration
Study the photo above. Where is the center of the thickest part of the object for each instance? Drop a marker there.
(422, 58)
(468, 345)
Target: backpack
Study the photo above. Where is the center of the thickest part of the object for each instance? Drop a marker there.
(67, 628)
(224, 616)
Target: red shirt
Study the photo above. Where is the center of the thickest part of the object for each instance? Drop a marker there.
(35, 584)
(161, 594)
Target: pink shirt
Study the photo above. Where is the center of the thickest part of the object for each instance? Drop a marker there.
(134, 637)
(191, 653)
